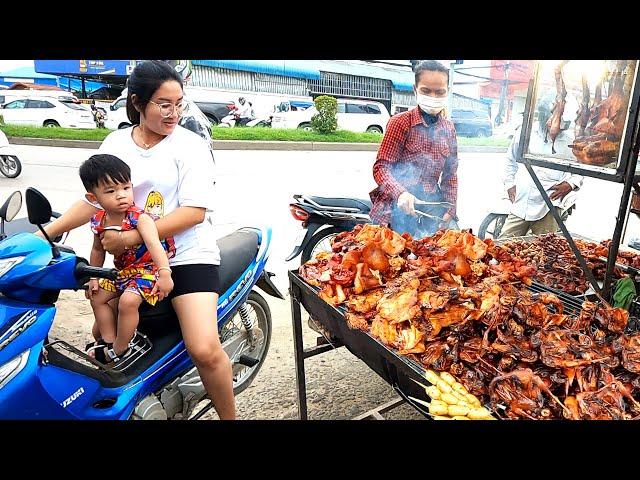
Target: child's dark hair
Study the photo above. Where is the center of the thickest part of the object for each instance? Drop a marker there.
(103, 168)
(145, 79)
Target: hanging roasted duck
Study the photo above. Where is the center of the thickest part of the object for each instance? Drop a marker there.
(554, 123)
(606, 124)
(583, 112)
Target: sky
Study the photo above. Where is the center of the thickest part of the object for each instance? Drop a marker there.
(11, 64)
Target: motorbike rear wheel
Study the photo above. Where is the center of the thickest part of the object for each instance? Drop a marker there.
(491, 226)
(320, 242)
(260, 315)
(10, 166)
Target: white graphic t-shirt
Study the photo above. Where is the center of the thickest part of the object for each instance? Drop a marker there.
(177, 172)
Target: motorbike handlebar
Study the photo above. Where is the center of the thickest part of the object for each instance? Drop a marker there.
(84, 271)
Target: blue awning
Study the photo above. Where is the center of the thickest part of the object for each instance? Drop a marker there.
(310, 69)
(286, 68)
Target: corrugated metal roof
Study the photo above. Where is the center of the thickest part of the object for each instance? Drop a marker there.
(310, 69)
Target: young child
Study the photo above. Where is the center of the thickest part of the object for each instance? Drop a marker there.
(143, 270)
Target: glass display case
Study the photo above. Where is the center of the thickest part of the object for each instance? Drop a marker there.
(580, 116)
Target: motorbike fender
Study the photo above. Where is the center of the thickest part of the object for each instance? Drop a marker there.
(297, 249)
(265, 283)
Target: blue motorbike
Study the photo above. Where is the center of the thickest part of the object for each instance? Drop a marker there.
(42, 378)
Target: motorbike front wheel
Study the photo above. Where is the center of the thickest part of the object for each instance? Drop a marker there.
(491, 226)
(259, 314)
(10, 166)
(320, 242)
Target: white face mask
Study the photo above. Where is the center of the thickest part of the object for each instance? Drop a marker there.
(431, 105)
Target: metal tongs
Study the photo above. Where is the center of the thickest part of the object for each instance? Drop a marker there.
(417, 201)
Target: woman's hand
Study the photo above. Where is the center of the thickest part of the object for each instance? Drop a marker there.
(114, 242)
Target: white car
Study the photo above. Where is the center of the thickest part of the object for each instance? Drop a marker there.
(47, 112)
(8, 95)
(353, 115)
(117, 115)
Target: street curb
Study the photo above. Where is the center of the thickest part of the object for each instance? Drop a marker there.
(244, 145)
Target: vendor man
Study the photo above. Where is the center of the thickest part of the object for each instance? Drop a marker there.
(529, 212)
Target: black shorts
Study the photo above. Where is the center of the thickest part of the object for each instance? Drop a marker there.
(192, 278)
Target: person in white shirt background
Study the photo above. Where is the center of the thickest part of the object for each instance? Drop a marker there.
(172, 166)
(529, 212)
(244, 111)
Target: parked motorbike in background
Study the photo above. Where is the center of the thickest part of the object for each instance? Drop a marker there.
(323, 218)
(44, 378)
(492, 225)
(230, 120)
(10, 165)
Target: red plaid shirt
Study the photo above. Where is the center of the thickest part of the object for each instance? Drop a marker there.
(429, 151)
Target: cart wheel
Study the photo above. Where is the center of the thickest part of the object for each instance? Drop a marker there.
(491, 226)
(260, 316)
(320, 242)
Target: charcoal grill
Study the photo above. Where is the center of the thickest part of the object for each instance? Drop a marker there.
(400, 371)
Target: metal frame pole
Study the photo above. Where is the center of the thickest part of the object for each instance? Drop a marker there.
(296, 318)
(622, 216)
(563, 228)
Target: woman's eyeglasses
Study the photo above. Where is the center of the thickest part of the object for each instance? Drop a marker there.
(167, 109)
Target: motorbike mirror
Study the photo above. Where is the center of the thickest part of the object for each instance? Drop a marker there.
(39, 212)
(12, 206)
(38, 207)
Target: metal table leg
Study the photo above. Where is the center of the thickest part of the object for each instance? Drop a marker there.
(298, 347)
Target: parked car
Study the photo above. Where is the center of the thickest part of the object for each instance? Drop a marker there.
(105, 93)
(117, 115)
(47, 112)
(215, 111)
(472, 123)
(194, 119)
(507, 129)
(8, 95)
(353, 115)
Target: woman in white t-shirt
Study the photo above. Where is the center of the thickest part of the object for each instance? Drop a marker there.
(172, 176)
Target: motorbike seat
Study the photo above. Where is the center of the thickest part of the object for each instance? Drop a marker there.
(237, 251)
(364, 206)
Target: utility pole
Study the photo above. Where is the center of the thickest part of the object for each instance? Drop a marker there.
(452, 71)
(503, 94)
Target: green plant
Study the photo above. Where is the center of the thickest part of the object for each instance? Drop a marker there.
(326, 120)
(1, 119)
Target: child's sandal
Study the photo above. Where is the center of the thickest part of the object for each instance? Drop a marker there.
(115, 357)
